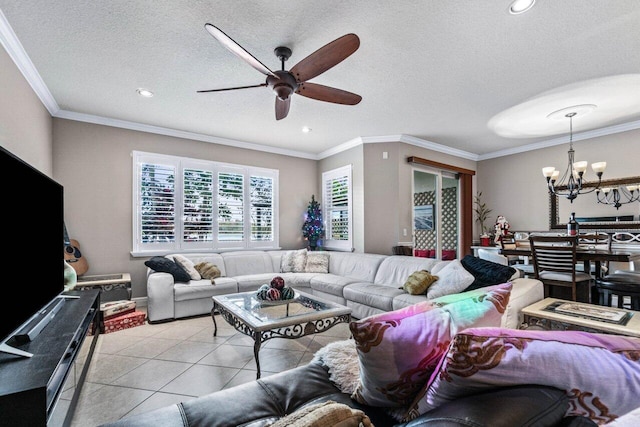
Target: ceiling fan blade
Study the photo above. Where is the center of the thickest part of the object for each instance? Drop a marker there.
(328, 94)
(238, 50)
(326, 57)
(231, 88)
(282, 108)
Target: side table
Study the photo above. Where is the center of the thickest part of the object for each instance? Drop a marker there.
(113, 287)
(542, 314)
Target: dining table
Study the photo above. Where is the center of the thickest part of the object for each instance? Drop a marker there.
(587, 256)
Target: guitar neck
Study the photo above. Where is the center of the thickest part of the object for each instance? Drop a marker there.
(67, 241)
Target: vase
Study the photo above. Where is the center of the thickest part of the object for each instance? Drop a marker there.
(485, 241)
(313, 245)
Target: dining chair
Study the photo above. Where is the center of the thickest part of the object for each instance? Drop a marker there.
(596, 240)
(554, 264)
(508, 241)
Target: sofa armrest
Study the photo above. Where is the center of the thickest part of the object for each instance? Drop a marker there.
(512, 406)
(525, 292)
(160, 297)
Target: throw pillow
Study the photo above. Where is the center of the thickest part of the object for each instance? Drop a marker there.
(599, 373)
(293, 261)
(188, 266)
(317, 262)
(208, 270)
(486, 273)
(419, 282)
(399, 350)
(329, 413)
(452, 279)
(165, 265)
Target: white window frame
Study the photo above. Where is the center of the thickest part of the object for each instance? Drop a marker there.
(179, 164)
(328, 243)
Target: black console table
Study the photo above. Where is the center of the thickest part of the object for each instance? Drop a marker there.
(30, 387)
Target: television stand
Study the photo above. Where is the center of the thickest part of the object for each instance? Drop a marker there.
(30, 387)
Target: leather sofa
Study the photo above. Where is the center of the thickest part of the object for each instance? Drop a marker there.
(367, 283)
(262, 402)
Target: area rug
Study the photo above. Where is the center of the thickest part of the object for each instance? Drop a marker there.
(341, 359)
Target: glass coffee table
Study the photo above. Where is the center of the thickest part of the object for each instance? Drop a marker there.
(262, 320)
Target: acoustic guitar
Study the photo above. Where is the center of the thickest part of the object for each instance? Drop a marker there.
(73, 256)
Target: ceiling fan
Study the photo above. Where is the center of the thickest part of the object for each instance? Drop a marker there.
(285, 83)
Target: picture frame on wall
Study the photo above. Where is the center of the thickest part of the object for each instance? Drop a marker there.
(423, 218)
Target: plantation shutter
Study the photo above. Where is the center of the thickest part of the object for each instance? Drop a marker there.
(337, 207)
(230, 207)
(157, 203)
(197, 205)
(261, 189)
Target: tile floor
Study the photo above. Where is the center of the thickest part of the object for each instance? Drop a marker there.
(146, 367)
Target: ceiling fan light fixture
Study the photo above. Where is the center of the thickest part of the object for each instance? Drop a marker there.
(521, 6)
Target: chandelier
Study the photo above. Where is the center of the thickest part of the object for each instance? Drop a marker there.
(613, 196)
(572, 182)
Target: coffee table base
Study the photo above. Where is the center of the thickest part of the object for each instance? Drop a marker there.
(289, 332)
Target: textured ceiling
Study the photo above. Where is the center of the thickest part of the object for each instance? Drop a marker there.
(438, 70)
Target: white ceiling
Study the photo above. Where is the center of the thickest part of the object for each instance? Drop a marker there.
(430, 70)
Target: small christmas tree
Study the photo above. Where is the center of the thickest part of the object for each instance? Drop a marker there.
(312, 229)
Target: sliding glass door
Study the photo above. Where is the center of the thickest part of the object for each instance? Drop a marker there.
(436, 214)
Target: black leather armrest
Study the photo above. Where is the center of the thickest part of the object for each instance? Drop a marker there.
(537, 406)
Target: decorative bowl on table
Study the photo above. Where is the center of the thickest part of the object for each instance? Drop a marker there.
(275, 292)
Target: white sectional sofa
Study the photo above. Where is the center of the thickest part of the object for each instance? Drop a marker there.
(367, 283)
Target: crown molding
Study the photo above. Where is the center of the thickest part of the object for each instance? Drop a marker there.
(594, 133)
(88, 118)
(16, 52)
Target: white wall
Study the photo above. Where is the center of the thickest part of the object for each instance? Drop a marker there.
(25, 124)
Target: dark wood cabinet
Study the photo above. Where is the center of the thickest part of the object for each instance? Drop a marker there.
(31, 387)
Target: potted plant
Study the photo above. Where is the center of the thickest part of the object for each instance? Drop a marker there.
(482, 213)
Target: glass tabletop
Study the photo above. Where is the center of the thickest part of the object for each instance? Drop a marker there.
(262, 315)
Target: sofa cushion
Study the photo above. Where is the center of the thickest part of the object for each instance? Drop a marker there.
(419, 282)
(452, 279)
(399, 350)
(369, 294)
(207, 270)
(317, 262)
(330, 283)
(199, 289)
(358, 266)
(293, 261)
(486, 273)
(395, 270)
(240, 263)
(599, 373)
(187, 265)
(166, 265)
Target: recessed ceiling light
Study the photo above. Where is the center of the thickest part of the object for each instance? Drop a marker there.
(520, 6)
(144, 92)
(306, 129)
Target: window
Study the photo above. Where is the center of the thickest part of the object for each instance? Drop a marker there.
(183, 204)
(337, 207)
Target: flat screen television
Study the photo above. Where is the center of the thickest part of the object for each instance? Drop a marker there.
(32, 251)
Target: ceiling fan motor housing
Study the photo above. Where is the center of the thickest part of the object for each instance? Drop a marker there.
(283, 85)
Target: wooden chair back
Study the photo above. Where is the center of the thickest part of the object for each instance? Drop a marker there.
(554, 262)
